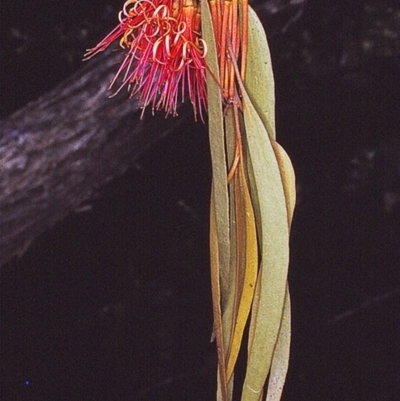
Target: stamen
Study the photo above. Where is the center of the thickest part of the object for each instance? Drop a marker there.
(165, 52)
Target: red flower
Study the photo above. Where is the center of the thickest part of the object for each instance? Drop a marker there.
(165, 53)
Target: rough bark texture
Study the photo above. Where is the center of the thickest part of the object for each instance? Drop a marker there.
(59, 150)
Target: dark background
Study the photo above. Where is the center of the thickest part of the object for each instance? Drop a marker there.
(114, 303)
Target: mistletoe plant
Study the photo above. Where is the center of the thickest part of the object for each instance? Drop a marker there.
(216, 53)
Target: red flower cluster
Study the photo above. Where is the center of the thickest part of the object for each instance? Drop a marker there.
(165, 53)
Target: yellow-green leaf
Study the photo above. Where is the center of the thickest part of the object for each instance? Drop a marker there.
(216, 296)
(228, 312)
(280, 359)
(259, 78)
(218, 155)
(249, 275)
(288, 178)
(274, 243)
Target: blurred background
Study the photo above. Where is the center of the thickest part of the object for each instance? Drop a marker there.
(114, 303)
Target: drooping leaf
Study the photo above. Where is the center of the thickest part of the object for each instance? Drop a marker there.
(216, 297)
(288, 178)
(280, 359)
(218, 154)
(228, 313)
(250, 268)
(219, 205)
(249, 226)
(274, 242)
(230, 310)
(259, 78)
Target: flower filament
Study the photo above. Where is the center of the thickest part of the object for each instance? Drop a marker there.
(165, 53)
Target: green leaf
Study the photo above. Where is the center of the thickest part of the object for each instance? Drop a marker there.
(288, 179)
(218, 154)
(249, 224)
(216, 297)
(274, 242)
(259, 78)
(228, 313)
(280, 360)
(245, 290)
(219, 207)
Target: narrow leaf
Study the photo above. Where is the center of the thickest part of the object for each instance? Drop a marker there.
(228, 312)
(250, 275)
(219, 208)
(218, 155)
(216, 296)
(274, 241)
(280, 360)
(288, 178)
(259, 78)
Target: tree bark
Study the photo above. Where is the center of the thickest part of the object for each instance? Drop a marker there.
(57, 152)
